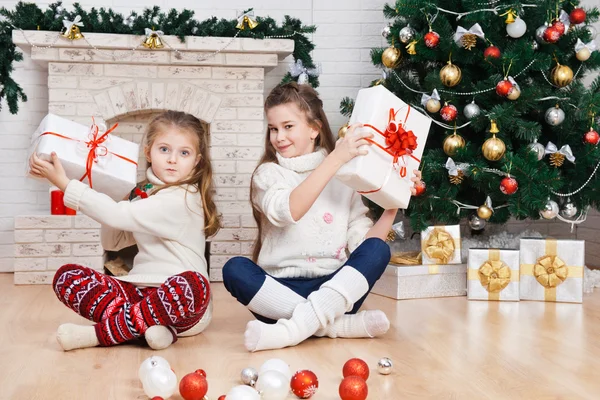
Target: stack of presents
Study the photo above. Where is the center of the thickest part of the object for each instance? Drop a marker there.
(542, 269)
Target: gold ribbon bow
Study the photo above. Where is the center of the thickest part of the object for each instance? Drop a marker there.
(439, 246)
(550, 271)
(406, 258)
(494, 275)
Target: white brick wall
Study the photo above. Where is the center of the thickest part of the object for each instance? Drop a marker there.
(347, 29)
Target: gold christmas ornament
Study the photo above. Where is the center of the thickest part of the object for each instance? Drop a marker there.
(433, 105)
(514, 94)
(411, 48)
(71, 29)
(510, 16)
(450, 75)
(557, 159)
(457, 179)
(452, 143)
(493, 149)
(484, 212)
(583, 54)
(343, 130)
(561, 75)
(391, 236)
(153, 40)
(391, 57)
(468, 41)
(246, 20)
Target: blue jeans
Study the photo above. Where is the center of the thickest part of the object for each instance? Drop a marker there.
(243, 278)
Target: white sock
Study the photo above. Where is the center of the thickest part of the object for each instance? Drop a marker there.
(72, 336)
(365, 324)
(158, 337)
(275, 300)
(332, 300)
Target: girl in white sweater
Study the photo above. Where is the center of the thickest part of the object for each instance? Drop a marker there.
(305, 283)
(167, 292)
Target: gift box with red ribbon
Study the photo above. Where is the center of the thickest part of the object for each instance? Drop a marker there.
(400, 133)
(89, 153)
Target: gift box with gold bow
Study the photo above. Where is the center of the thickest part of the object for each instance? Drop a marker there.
(89, 153)
(441, 245)
(399, 136)
(493, 274)
(552, 270)
(405, 278)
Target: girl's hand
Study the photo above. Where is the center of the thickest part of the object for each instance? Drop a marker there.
(52, 171)
(347, 148)
(415, 179)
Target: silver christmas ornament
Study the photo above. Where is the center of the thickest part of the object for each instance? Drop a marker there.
(386, 32)
(554, 116)
(249, 376)
(569, 209)
(472, 110)
(539, 34)
(384, 366)
(195, 30)
(550, 210)
(591, 30)
(58, 12)
(406, 34)
(538, 149)
(476, 223)
(535, 45)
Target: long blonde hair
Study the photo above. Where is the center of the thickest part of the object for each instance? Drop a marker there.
(202, 175)
(308, 101)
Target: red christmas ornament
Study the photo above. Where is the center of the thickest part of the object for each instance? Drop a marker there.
(157, 398)
(353, 388)
(221, 397)
(591, 137)
(420, 188)
(356, 367)
(201, 372)
(449, 112)
(432, 39)
(304, 384)
(193, 386)
(504, 87)
(509, 185)
(492, 51)
(551, 34)
(577, 16)
(559, 26)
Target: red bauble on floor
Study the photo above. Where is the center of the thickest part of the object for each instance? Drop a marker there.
(193, 386)
(353, 388)
(304, 384)
(356, 367)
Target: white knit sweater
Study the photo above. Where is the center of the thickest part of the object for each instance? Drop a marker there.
(316, 244)
(167, 228)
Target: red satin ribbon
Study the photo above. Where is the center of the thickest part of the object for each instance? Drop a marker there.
(399, 141)
(93, 144)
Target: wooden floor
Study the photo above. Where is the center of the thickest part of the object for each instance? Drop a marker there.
(442, 349)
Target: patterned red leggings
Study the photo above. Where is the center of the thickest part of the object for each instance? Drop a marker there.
(122, 311)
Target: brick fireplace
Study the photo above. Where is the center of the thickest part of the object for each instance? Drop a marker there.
(115, 84)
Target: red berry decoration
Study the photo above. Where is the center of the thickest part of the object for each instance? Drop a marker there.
(353, 388)
(559, 26)
(577, 16)
(193, 386)
(432, 39)
(492, 52)
(504, 87)
(509, 185)
(420, 188)
(356, 367)
(304, 384)
(591, 137)
(449, 112)
(551, 34)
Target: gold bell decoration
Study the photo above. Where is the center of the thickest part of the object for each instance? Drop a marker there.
(450, 75)
(153, 39)
(391, 57)
(485, 211)
(343, 130)
(71, 29)
(510, 16)
(246, 19)
(411, 47)
(493, 149)
(561, 75)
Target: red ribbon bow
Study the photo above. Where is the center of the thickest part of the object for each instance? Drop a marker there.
(93, 144)
(139, 192)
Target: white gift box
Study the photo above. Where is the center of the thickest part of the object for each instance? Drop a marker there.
(493, 274)
(375, 175)
(422, 281)
(552, 270)
(113, 162)
(441, 245)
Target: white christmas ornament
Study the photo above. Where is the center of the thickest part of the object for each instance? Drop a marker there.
(242, 392)
(273, 385)
(299, 70)
(160, 382)
(583, 51)
(276, 364)
(517, 28)
(151, 363)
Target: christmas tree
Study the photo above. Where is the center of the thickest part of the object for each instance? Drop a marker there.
(514, 129)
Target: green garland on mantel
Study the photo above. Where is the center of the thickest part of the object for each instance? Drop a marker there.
(28, 16)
